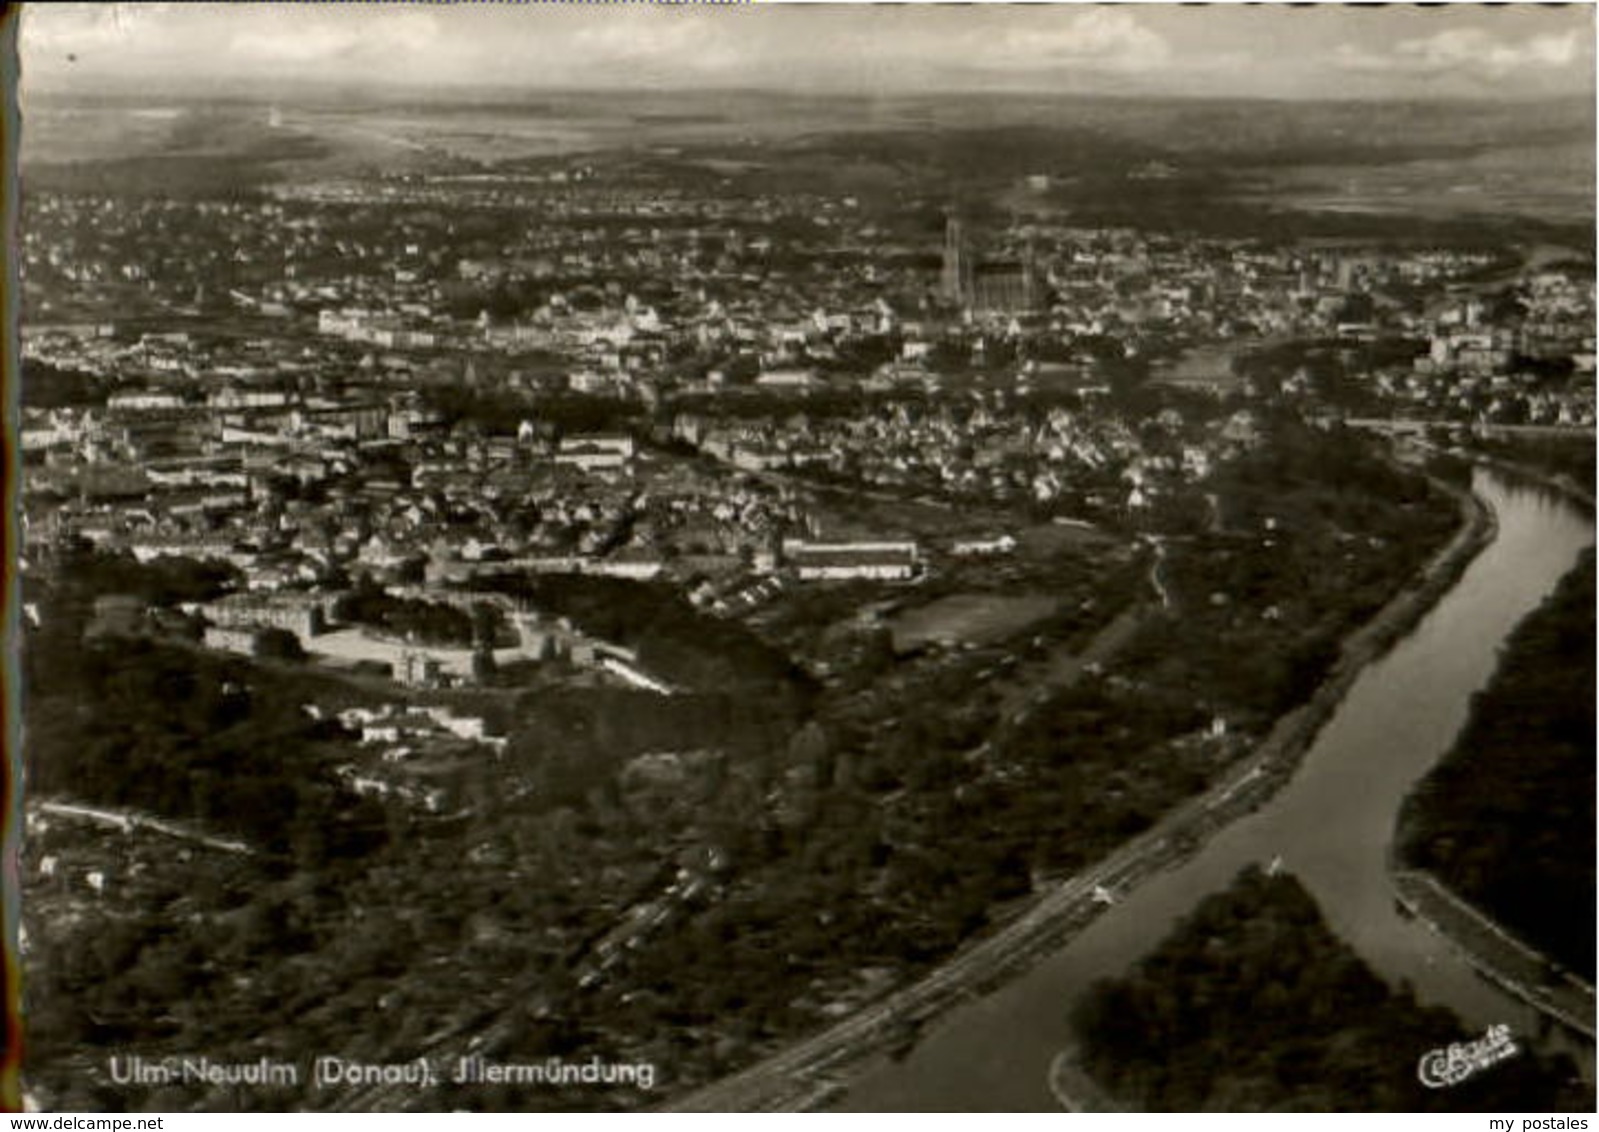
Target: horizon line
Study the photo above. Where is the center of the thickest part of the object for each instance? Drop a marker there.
(258, 89)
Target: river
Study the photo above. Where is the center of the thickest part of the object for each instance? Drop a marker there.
(1331, 825)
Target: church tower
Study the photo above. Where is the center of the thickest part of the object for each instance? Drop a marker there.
(955, 284)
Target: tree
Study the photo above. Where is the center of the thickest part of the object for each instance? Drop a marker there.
(411, 572)
(278, 644)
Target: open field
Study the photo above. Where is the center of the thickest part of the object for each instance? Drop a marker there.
(1546, 182)
(969, 618)
(1205, 367)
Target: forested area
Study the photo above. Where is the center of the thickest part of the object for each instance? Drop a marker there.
(190, 736)
(342, 900)
(123, 720)
(427, 622)
(1253, 1004)
(45, 386)
(1337, 369)
(500, 411)
(1310, 535)
(86, 573)
(1506, 819)
(673, 639)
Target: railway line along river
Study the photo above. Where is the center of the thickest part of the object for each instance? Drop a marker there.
(1331, 825)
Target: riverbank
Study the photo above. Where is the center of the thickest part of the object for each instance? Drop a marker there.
(1495, 954)
(1075, 1090)
(1557, 482)
(1489, 949)
(796, 1077)
(1229, 1010)
(1561, 483)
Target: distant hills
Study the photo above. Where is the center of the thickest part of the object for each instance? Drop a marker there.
(1350, 166)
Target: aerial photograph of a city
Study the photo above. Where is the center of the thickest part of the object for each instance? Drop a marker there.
(802, 557)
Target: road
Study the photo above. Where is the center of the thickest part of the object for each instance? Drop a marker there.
(128, 821)
(1155, 563)
(1065, 665)
(798, 1075)
(1396, 425)
(805, 1073)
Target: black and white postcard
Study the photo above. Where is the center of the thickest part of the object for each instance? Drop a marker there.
(834, 557)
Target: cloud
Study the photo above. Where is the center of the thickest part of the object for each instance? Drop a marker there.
(289, 47)
(656, 37)
(1263, 50)
(207, 40)
(63, 28)
(1108, 39)
(1468, 52)
(276, 38)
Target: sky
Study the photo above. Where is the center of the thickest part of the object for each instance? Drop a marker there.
(1324, 51)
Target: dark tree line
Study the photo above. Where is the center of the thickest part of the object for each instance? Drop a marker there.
(84, 573)
(1253, 1004)
(45, 386)
(1506, 820)
(194, 738)
(673, 640)
(426, 621)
